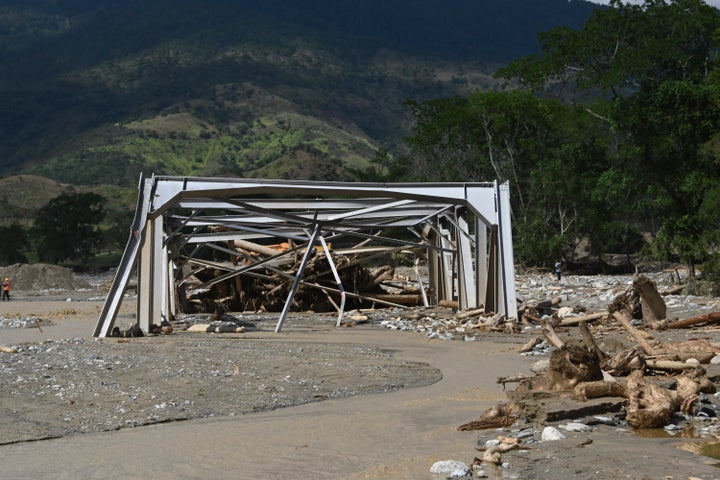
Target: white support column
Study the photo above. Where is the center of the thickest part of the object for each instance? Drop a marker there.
(166, 271)
(507, 296)
(434, 259)
(467, 277)
(144, 277)
(298, 276)
(481, 259)
(338, 281)
(446, 265)
(171, 311)
(151, 281)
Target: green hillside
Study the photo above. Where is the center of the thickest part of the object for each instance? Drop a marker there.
(97, 92)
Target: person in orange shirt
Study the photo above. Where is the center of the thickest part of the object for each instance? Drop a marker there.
(6, 290)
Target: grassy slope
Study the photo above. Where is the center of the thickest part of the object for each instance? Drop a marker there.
(101, 91)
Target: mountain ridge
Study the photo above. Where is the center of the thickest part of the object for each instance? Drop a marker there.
(100, 92)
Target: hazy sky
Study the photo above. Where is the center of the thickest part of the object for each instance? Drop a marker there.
(714, 3)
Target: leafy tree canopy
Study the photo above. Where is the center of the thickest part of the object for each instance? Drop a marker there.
(67, 228)
(14, 241)
(656, 65)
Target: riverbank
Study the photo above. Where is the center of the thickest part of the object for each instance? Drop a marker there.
(370, 403)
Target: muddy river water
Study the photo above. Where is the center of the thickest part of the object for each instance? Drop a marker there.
(390, 435)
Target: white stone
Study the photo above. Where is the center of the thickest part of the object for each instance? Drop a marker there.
(453, 468)
(540, 366)
(715, 360)
(550, 434)
(693, 361)
(576, 427)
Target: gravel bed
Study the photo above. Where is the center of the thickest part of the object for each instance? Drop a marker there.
(65, 387)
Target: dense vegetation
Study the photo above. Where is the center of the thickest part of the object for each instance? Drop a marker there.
(614, 133)
(96, 92)
(609, 134)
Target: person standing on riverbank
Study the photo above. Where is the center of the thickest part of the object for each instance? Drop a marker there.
(6, 289)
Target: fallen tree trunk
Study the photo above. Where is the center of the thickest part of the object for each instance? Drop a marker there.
(569, 321)
(624, 316)
(493, 455)
(709, 318)
(470, 313)
(649, 406)
(673, 366)
(530, 344)
(590, 341)
(549, 332)
(602, 388)
(219, 327)
(501, 415)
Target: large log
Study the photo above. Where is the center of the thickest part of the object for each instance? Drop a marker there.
(590, 341)
(624, 316)
(709, 318)
(256, 248)
(502, 415)
(569, 321)
(602, 388)
(649, 406)
(673, 366)
(549, 332)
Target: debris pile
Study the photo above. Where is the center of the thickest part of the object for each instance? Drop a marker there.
(42, 277)
(250, 285)
(638, 380)
(23, 321)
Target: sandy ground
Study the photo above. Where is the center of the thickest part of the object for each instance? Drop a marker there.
(407, 396)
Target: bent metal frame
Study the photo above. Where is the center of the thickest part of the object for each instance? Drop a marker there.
(461, 229)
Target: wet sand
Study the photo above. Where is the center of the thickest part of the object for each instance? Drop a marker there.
(396, 435)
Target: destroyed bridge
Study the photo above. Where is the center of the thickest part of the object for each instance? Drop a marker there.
(223, 230)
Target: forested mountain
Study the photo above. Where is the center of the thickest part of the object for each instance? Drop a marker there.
(96, 92)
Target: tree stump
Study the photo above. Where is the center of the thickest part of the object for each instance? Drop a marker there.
(571, 365)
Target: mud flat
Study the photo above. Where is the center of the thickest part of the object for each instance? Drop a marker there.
(314, 401)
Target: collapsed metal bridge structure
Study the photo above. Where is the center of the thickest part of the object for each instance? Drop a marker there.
(462, 231)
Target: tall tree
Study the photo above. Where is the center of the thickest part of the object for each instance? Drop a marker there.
(551, 153)
(656, 63)
(67, 228)
(13, 242)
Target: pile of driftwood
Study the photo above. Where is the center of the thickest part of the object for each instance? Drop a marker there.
(653, 379)
(268, 272)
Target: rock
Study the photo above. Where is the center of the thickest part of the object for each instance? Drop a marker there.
(550, 434)
(452, 468)
(576, 427)
(540, 366)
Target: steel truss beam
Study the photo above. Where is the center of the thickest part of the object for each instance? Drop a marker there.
(462, 228)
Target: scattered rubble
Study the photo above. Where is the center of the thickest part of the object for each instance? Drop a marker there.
(64, 387)
(641, 383)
